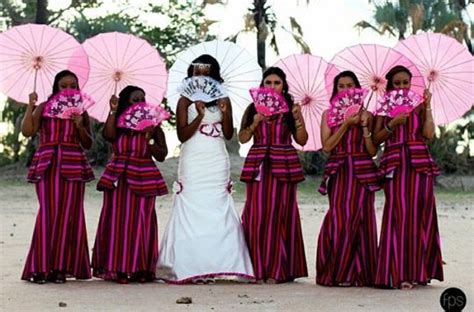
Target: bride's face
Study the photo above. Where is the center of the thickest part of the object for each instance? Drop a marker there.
(201, 70)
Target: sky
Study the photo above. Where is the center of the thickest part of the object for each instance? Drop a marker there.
(328, 25)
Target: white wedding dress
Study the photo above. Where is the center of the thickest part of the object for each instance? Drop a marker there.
(204, 237)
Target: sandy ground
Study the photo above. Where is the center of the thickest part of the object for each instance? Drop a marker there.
(18, 209)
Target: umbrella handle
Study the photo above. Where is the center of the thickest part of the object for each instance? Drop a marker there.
(115, 88)
(363, 106)
(34, 83)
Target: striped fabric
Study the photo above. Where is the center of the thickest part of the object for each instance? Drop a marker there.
(409, 248)
(127, 235)
(347, 243)
(270, 218)
(59, 169)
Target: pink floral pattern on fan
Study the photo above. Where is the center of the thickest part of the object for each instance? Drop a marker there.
(345, 104)
(398, 101)
(142, 115)
(268, 102)
(67, 103)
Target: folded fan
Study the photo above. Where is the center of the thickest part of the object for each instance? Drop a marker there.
(345, 104)
(142, 115)
(66, 103)
(268, 102)
(202, 88)
(398, 101)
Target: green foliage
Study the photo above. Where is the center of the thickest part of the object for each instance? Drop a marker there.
(12, 114)
(313, 163)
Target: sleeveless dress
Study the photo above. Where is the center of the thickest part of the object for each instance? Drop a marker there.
(59, 170)
(127, 235)
(204, 237)
(409, 248)
(347, 243)
(270, 218)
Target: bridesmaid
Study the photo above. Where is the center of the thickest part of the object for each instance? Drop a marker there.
(126, 244)
(409, 249)
(347, 244)
(59, 170)
(271, 171)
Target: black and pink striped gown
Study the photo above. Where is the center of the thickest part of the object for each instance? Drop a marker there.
(409, 248)
(347, 243)
(127, 235)
(270, 218)
(60, 170)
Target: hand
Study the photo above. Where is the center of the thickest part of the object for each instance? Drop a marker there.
(223, 105)
(364, 118)
(77, 120)
(113, 103)
(353, 120)
(427, 95)
(257, 118)
(399, 119)
(33, 98)
(201, 108)
(296, 111)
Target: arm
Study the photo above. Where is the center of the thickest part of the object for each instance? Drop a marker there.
(367, 125)
(330, 141)
(82, 123)
(227, 122)
(158, 149)
(382, 132)
(246, 131)
(300, 134)
(32, 118)
(110, 129)
(185, 130)
(428, 130)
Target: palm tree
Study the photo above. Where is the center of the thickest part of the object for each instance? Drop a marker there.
(408, 16)
(263, 21)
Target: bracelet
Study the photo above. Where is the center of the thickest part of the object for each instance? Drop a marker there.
(368, 135)
(428, 109)
(248, 130)
(112, 112)
(388, 129)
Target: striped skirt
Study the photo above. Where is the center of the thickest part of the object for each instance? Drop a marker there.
(127, 235)
(409, 249)
(59, 239)
(347, 243)
(272, 228)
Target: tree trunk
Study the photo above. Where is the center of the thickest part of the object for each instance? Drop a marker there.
(259, 17)
(41, 12)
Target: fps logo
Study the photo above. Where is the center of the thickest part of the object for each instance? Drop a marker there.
(453, 300)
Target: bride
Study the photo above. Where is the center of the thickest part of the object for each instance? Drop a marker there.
(203, 240)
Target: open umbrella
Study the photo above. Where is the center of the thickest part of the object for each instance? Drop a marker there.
(118, 60)
(370, 63)
(305, 76)
(448, 69)
(239, 69)
(31, 55)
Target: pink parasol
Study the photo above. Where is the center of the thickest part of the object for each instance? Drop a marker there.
(448, 69)
(118, 60)
(31, 55)
(305, 76)
(370, 63)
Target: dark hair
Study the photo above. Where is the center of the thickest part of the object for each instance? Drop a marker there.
(346, 73)
(124, 97)
(290, 121)
(58, 77)
(392, 72)
(215, 72)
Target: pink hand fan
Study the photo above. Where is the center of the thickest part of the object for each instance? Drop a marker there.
(66, 103)
(399, 101)
(268, 102)
(345, 104)
(142, 115)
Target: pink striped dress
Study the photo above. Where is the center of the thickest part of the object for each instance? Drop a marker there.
(127, 235)
(59, 170)
(270, 218)
(347, 243)
(409, 248)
